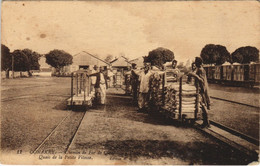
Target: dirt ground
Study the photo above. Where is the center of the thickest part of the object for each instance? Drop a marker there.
(122, 133)
(32, 107)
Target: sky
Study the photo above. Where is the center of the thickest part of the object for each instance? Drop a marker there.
(130, 28)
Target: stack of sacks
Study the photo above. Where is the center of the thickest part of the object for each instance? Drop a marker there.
(189, 103)
(156, 90)
(171, 76)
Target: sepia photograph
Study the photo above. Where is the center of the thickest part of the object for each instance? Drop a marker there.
(130, 82)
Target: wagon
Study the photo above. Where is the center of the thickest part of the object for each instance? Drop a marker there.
(81, 93)
(234, 74)
(175, 100)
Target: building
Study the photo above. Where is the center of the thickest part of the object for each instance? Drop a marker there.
(82, 60)
(44, 67)
(85, 60)
(138, 61)
(120, 66)
(120, 63)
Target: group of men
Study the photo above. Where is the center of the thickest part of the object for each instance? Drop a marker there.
(140, 85)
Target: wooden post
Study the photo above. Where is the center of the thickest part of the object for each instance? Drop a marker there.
(84, 87)
(80, 82)
(71, 92)
(180, 99)
(163, 88)
(197, 100)
(87, 85)
(77, 81)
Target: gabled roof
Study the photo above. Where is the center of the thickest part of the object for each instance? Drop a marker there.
(85, 58)
(138, 61)
(121, 61)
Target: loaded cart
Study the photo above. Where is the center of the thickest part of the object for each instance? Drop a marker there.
(81, 92)
(175, 100)
(188, 102)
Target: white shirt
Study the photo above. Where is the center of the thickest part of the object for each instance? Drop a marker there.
(144, 82)
(102, 78)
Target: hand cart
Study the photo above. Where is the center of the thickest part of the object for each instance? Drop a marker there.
(81, 94)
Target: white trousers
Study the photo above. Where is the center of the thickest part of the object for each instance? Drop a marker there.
(101, 94)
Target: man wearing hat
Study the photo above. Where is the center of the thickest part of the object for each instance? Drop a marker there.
(144, 78)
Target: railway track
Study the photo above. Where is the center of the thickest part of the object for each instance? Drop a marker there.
(59, 140)
(30, 96)
(235, 132)
(235, 139)
(235, 102)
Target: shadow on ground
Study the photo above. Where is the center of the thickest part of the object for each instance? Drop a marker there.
(128, 110)
(194, 153)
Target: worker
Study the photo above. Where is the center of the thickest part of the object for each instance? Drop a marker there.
(144, 78)
(100, 86)
(201, 81)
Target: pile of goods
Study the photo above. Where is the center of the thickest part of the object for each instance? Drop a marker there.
(156, 90)
(170, 107)
(171, 99)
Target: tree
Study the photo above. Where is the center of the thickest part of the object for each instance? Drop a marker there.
(245, 55)
(33, 60)
(159, 56)
(26, 60)
(21, 61)
(6, 60)
(109, 58)
(58, 59)
(215, 54)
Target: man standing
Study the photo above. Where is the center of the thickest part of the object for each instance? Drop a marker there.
(144, 78)
(202, 82)
(128, 87)
(190, 79)
(94, 78)
(100, 86)
(134, 83)
(172, 74)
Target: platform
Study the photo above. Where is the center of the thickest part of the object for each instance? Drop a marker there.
(78, 100)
